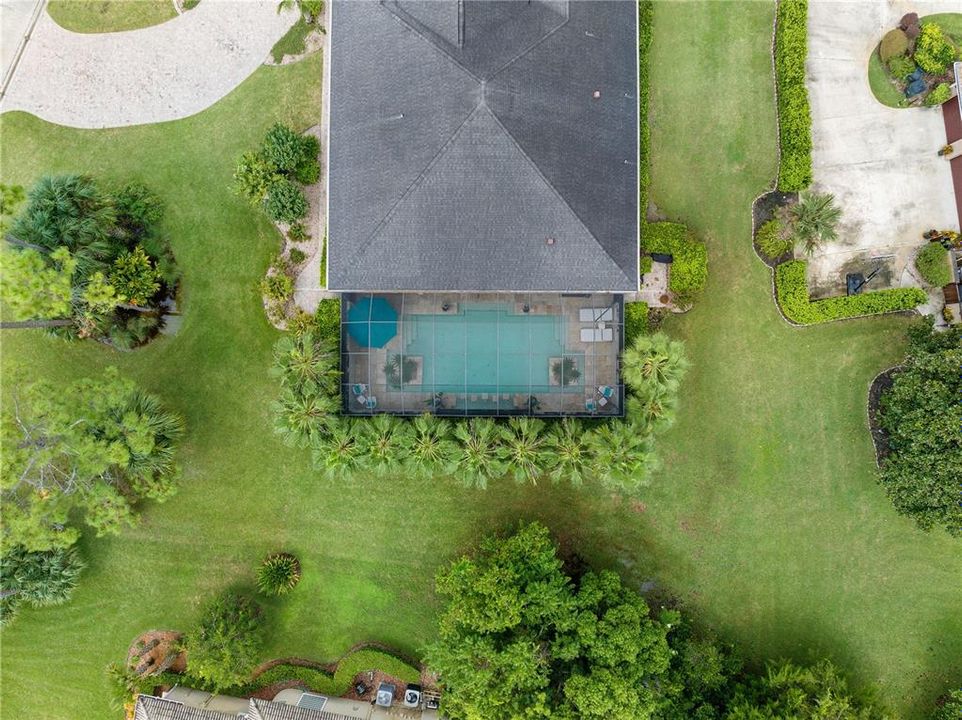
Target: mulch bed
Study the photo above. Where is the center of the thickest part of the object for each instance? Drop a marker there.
(166, 641)
(879, 386)
(372, 680)
(763, 210)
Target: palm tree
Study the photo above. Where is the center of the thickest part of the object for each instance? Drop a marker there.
(432, 450)
(150, 448)
(654, 412)
(565, 371)
(654, 362)
(385, 442)
(298, 418)
(400, 370)
(306, 364)
(568, 456)
(814, 219)
(481, 458)
(524, 446)
(336, 451)
(623, 456)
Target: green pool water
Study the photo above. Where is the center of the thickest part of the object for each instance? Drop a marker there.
(487, 348)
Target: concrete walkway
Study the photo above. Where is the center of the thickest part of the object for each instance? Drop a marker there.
(159, 73)
(879, 162)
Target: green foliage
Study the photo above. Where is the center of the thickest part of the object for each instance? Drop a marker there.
(400, 370)
(138, 209)
(283, 148)
(894, 44)
(307, 369)
(636, 320)
(297, 232)
(519, 639)
(38, 579)
(645, 265)
(297, 256)
(940, 93)
(124, 684)
(328, 317)
(901, 67)
(254, 177)
(385, 443)
(791, 289)
(37, 285)
(813, 220)
(277, 286)
(524, 446)
(134, 277)
(87, 450)
(285, 202)
(794, 115)
(481, 455)
(308, 173)
(653, 365)
(646, 12)
(432, 450)
(278, 574)
(921, 417)
(568, 456)
(689, 267)
(225, 645)
(932, 262)
(950, 707)
(771, 240)
(934, 52)
(565, 371)
(11, 198)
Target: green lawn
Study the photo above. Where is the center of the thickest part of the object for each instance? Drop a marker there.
(99, 16)
(766, 520)
(292, 43)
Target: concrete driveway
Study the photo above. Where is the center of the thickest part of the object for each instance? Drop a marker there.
(159, 73)
(879, 162)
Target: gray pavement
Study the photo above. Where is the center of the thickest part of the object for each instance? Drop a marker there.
(165, 72)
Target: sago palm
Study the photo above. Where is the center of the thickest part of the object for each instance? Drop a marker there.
(814, 218)
(304, 361)
(623, 456)
(432, 450)
(299, 418)
(524, 444)
(481, 458)
(654, 362)
(385, 442)
(567, 455)
(336, 451)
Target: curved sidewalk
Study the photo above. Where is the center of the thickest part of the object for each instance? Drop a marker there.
(164, 72)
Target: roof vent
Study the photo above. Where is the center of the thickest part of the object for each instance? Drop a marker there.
(596, 94)
(549, 241)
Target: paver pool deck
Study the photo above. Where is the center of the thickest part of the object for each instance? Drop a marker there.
(879, 162)
(165, 72)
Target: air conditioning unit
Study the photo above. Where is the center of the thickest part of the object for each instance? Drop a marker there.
(412, 696)
(385, 695)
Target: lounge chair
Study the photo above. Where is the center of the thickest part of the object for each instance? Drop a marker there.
(371, 403)
(590, 405)
(359, 388)
(606, 391)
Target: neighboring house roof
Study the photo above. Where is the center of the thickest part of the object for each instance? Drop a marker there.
(149, 707)
(466, 133)
(265, 710)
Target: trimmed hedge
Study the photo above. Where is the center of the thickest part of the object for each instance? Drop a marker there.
(689, 269)
(636, 321)
(794, 114)
(792, 292)
(646, 11)
(933, 265)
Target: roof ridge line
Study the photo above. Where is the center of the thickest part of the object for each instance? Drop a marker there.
(417, 180)
(512, 61)
(553, 189)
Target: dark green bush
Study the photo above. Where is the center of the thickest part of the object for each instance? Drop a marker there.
(285, 202)
(792, 292)
(37, 578)
(771, 242)
(277, 287)
(328, 319)
(297, 233)
(933, 265)
(645, 266)
(933, 50)
(689, 268)
(901, 67)
(278, 574)
(283, 148)
(894, 44)
(225, 645)
(297, 256)
(646, 13)
(308, 173)
(636, 321)
(794, 114)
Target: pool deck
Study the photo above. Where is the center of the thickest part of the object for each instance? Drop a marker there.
(600, 365)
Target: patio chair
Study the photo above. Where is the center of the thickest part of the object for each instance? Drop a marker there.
(590, 405)
(359, 388)
(606, 391)
(371, 403)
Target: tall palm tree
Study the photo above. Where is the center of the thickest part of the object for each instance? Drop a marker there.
(306, 363)
(654, 412)
(337, 451)
(623, 456)
(385, 442)
(814, 218)
(654, 362)
(524, 444)
(298, 418)
(569, 458)
(432, 450)
(481, 458)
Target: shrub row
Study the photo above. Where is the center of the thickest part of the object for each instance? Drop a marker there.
(646, 12)
(794, 114)
(689, 268)
(636, 321)
(933, 264)
(792, 292)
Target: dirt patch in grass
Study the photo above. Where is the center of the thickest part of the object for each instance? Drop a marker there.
(880, 385)
(763, 210)
(157, 651)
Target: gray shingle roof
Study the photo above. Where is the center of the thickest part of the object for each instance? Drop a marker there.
(149, 707)
(465, 134)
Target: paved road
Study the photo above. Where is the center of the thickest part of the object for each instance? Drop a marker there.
(164, 72)
(879, 162)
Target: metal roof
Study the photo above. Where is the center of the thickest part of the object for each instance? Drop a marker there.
(483, 145)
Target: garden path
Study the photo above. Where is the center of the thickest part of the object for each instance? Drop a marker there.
(879, 162)
(159, 73)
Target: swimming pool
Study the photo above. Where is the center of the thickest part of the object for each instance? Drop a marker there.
(488, 348)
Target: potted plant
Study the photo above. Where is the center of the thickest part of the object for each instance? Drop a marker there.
(946, 150)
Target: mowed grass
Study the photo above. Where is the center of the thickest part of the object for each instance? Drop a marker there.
(100, 16)
(766, 520)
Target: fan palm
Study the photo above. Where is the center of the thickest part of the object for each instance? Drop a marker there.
(385, 442)
(654, 362)
(432, 450)
(654, 412)
(307, 363)
(481, 458)
(568, 456)
(623, 456)
(298, 419)
(814, 219)
(524, 445)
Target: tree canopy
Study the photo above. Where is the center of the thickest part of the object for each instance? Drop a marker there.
(89, 449)
(223, 648)
(921, 416)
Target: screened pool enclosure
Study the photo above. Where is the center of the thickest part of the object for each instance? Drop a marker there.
(471, 354)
